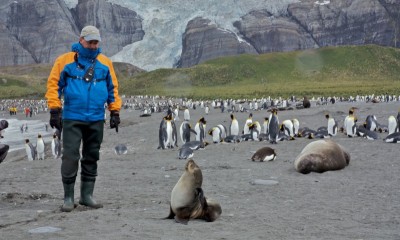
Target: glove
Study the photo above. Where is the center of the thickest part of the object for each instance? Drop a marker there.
(114, 120)
(56, 118)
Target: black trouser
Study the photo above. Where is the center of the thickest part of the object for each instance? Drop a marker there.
(91, 136)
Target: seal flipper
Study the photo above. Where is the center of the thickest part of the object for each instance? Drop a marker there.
(177, 219)
(184, 215)
(181, 220)
(201, 198)
(171, 213)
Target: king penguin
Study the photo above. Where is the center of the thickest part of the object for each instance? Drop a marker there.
(234, 127)
(199, 128)
(398, 119)
(351, 126)
(288, 128)
(393, 125)
(273, 126)
(332, 125)
(371, 123)
(264, 134)
(30, 150)
(255, 130)
(40, 147)
(185, 130)
(185, 153)
(247, 124)
(265, 125)
(56, 146)
(264, 154)
(393, 138)
(186, 115)
(172, 133)
(218, 133)
(176, 113)
(207, 110)
(162, 134)
(167, 132)
(351, 114)
(296, 127)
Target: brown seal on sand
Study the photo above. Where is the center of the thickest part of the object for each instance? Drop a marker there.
(264, 154)
(306, 102)
(321, 156)
(188, 200)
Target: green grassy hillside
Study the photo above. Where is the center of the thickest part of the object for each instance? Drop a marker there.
(339, 71)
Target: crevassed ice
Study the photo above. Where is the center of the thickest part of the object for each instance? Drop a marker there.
(165, 21)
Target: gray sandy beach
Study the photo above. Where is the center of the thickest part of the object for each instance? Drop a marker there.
(361, 201)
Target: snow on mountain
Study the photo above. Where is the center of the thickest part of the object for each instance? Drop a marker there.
(165, 21)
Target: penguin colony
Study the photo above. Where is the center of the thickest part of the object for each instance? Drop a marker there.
(274, 131)
(38, 151)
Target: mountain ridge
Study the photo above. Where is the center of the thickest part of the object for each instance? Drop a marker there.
(152, 34)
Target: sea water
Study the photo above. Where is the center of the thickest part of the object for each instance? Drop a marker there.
(15, 138)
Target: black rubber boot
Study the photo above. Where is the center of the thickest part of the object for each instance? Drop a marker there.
(87, 195)
(68, 205)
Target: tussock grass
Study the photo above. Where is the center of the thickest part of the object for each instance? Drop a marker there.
(331, 71)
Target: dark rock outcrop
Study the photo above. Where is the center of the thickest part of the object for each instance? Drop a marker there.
(203, 41)
(306, 24)
(268, 33)
(346, 22)
(37, 31)
(118, 26)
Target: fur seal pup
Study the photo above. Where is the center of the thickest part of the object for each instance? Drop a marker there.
(188, 200)
(264, 154)
(320, 156)
(306, 102)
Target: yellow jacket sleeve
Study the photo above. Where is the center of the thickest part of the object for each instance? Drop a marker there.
(52, 94)
(116, 105)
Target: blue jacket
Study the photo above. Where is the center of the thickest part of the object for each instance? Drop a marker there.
(83, 100)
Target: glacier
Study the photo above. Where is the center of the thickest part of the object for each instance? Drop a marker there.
(164, 23)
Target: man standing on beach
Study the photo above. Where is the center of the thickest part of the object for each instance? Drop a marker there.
(87, 80)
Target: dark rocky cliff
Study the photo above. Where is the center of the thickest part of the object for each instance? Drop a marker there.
(203, 41)
(37, 31)
(307, 24)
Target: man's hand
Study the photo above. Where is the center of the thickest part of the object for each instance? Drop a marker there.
(114, 120)
(56, 118)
